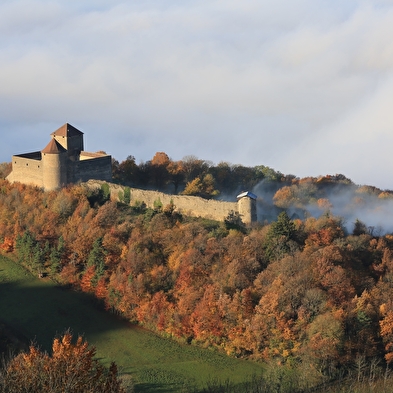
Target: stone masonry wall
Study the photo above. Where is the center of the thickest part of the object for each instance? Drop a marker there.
(187, 205)
(91, 168)
(26, 170)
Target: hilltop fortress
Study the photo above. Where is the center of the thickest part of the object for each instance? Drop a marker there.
(63, 161)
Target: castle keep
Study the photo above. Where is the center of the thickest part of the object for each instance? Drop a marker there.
(63, 161)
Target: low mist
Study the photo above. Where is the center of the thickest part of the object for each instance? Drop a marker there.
(313, 197)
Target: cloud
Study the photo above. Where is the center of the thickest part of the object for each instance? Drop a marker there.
(300, 86)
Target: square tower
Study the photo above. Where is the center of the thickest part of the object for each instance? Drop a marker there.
(71, 139)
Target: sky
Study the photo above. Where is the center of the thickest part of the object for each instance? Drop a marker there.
(302, 86)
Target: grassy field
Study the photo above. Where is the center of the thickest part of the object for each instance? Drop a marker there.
(39, 310)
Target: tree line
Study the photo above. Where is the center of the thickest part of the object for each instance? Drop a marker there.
(191, 175)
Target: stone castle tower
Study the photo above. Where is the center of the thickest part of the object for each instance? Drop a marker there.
(247, 207)
(63, 161)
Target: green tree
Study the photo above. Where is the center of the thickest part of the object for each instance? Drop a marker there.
(234, 221)
(284, 226)
(267, 173)
(359, 228)
(55, 256)
(38, 259)
(281, 236)
(55, 261)
(28, 250)
(106, 192)
(127, 195)
(96, 258)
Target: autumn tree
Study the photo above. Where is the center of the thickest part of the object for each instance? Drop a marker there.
(5, 169)
(71, 368)
(325, 340)
(159, 170)
(127, 172)
(297, 195)
(63, 205)
(223, 175)
(176, 174)
(203, 187)
(243, 178)
(386, 326)
(193, 187)
(194, 167)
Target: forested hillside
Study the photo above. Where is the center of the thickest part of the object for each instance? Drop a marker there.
(303, 289)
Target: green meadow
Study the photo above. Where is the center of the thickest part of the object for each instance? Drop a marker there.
(39, 310)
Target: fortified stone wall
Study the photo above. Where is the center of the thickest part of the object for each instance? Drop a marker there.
(188, 205)
(28, 168)
(92, 167)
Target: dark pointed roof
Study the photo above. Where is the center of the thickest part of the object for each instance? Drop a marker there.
(53, 147)
(67, 130)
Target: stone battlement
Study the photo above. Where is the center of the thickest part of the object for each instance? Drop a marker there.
(188, 205)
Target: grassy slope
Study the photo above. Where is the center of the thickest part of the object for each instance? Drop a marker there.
(39, 310)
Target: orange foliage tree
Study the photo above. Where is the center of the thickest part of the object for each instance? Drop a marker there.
(70, 368)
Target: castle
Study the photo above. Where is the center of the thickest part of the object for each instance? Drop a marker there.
(63, 161)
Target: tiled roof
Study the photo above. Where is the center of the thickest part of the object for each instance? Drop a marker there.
(67, 130)
(53, 147)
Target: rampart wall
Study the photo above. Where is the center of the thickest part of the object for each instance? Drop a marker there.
(91, 167)
(28, 168)
(188, 205)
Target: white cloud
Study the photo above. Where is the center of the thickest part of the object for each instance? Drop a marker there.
(294, 85)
